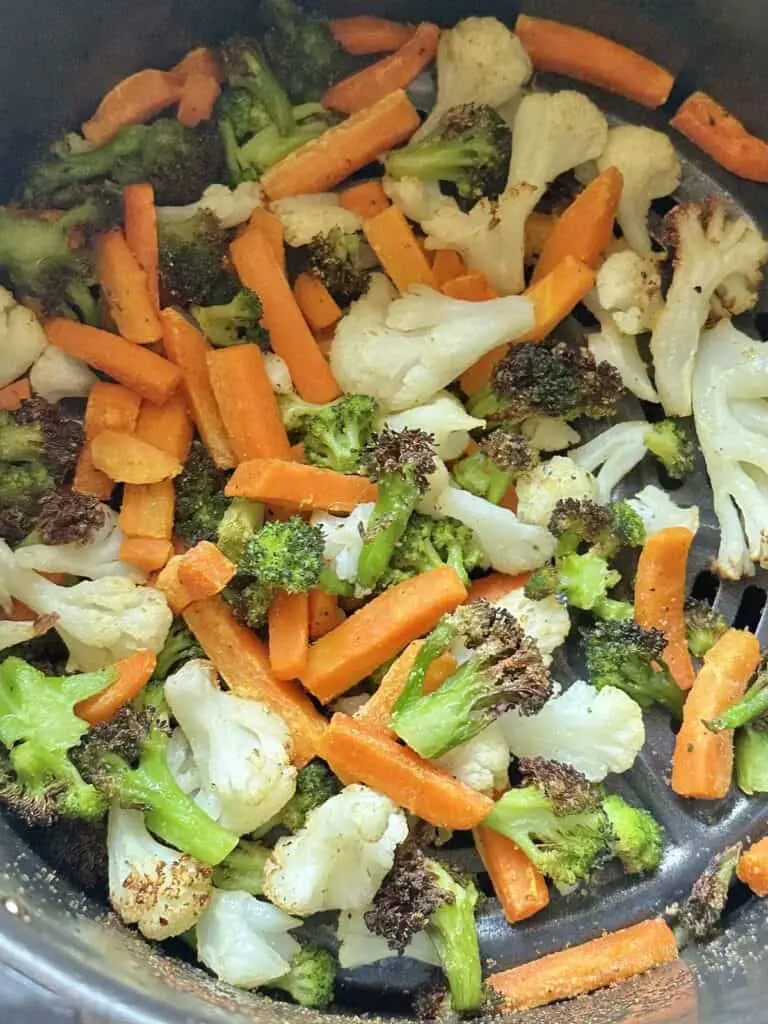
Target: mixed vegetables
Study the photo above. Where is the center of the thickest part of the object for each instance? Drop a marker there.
(282, 608)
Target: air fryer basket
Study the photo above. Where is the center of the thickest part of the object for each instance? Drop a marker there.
(56, 62)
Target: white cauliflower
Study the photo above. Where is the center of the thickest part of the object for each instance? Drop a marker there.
(99, 556)
(405, 350)
(278, 373)
(304, 217)
(610, 345)
(540, 489)
(712, 250)
(418, 200)
(650, 169)
(240, 749)
(22, 338)
(338, 860)
(230, 206)
(162, 891)
(596, 731)
(546, 622)
(245, 941)
(478, 61)
(615, 452)
(628, 287)
(481, 763)
(548, 434)
(510, 545)
(658, 511)
(100, 621)
(444, 417)
(12, 633)
(58, 375)
(343, 537)
(358, 945)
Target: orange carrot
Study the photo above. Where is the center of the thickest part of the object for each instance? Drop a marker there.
(12, 395)
(585, 229)
(473, 286)
(131, 674)
(520, 888)
(288, 634)
(324, 613)
(495, 586)
(380, 630)
(109, 407)
(141, 233)
(364, 33)
(166, 426)
(377, 80)
(188, 349)
(289, 334)
(588, 57)
(752, 868)
(390, 236)
(147, 510)
(138, 369)
(364, 753)
(377, 710)
(168, 582)
(198, 98)
(538, 228)
(241, 660)
(147, 553)
(247, 403)
(326, 161)
(446, 265)
(722, 136)
(205, 571)
(703, 760)
(126, 290)
(303, 487)
(366, 199)
(126, 459)
(270, 225)
(660, 596)
(613, 957)
(200, 61)
(317, 305)
(136, 99)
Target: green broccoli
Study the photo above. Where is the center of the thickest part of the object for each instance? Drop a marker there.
(244, 114)
(310, 978)
(180, 646)
(335, 259)
(200, 499)
(491, 471)
(243, 869)
(315, 783)
(285, 555)
(233, 322)
(584, 581)
(246, 68)
(605, 528)
(22, 489)
(247, 162)
(470, 147)
(240, 521)
(249, 600)
(637, 836)
(751, 758)
(671, 445)
(192, 254)
(429, 544)
(624, 655)
(704, 907)
(302, 49)
(703, 627)
(334, 435)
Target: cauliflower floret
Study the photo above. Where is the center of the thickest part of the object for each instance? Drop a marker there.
(12, 633)
(162, 891)
(358, 945)
(658, 511)
(244, 940)
(278, 373)
(418, 200)
(22, 338)
(343, 537)
(230, 206)
(650, 169)
(304, 217)
(628, 287)
(405, 350)
(610, 345)
(338, 860)
(511, 545)
(444, 417)
(58, 375)
(478, 61)
(596, 731)
(548, 434)
(616, 451)
(240, 749)
(712, 249)
(481, 763)
(546, 622)
(539, 490)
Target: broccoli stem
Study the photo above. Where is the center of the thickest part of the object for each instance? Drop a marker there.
(437, 643)
(269, 146)
(433, 161)
(647, 688)
(753, 704)
(452, 929)
(751, 760)
(396, 501)
(264, 87)
(481, 476)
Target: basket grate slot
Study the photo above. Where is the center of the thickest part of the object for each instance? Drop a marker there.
(751, 608)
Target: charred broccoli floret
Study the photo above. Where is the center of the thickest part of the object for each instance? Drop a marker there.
(703, 627)
(200, 498)
(233, 322)
(180, 646)
(249, 600)
(637, 836)
(566, 788)
(68, 517)
(491, 471)
(335, 258)
(429, 544)
(334, 435)
(302, 49)
(192, 254)
(605, 528)
(704, 907)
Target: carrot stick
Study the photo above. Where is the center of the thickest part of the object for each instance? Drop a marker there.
(359, 751)
(366, 199)
(289, 334)
(288, 634)
(147, 553)
(538, 228)
(131, 674)
(660, 596)
(377, 710)
(198, 98)
(377, 80)
(278, 482)
(109, 407)
(326, 161)
(270, 225)
(495, 586)
(390, 236)
(138, 369)
(703, 761)
(553, 298)
(200, 61)
(380, 630)
(126, 459)
(205, 571)
(317, 305)
(125, 287)
(520, 888)
(585, 229)
(588, 57)
(167, 427)
(247, 403)
(168, 582)
(324, 613)
(722, 136)
(446, 265)
(12, 395)
(241, 660)
(147, 510)
(141, 234)
(473, 286)
(613, 957)
(364, 33)
(752, 868)
(136, 99)
(188, 349)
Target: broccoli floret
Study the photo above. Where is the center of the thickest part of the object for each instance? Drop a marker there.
(503, 671)
(470, 147)
(637, 836)
(429, 544)
(68, 517)
(233, 322)
(672, 447)
(315, 783)
(22, 487)
(249, 602)
(247, 162)
(567, 789)
(200, 499)
(302, 49)
(605, 528)
(624, 655)
(246, 68)
(583, 580)
(38, 432)
(310, 979)
(240, 522)
(703, 626)
(704, 907)
(191, 254)
(285, 555)
(334, 435)
(243, 869)
(401, 462)
(245, 114)
(492, 470)
(335, 258)
(180, 646)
